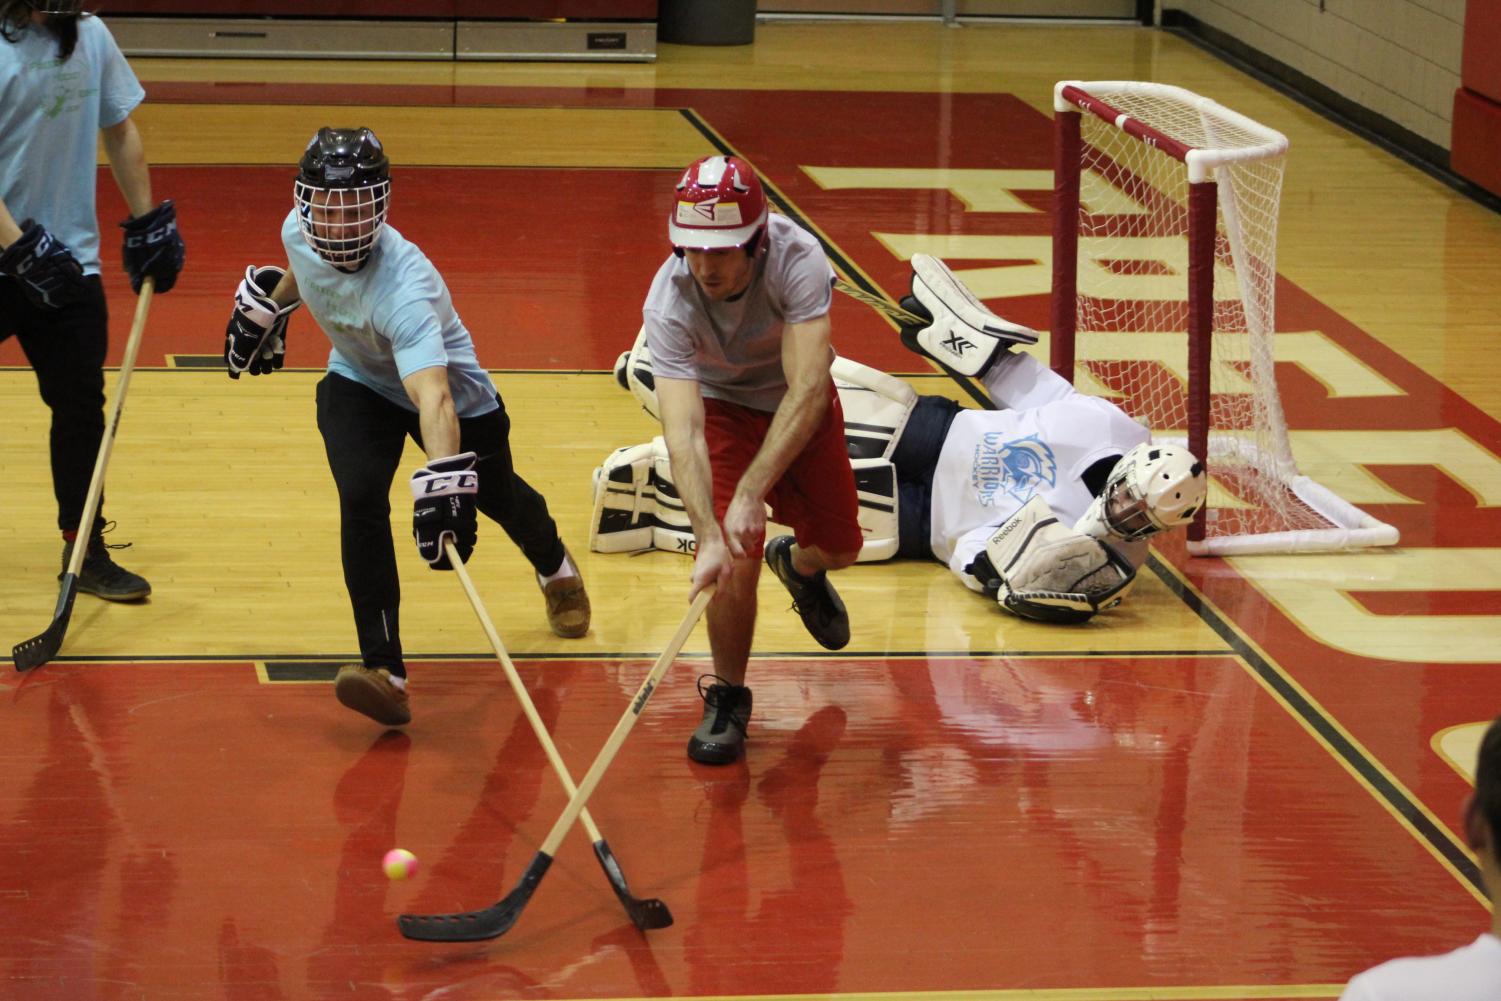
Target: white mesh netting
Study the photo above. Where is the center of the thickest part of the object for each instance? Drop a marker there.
(1132, 313)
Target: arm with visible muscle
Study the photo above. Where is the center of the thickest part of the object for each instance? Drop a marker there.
(428, 389)
(682, 410)
(806, 357)
(127, 161)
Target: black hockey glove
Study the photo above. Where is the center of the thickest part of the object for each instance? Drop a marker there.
(153, 247)
(256, 341)
(443, 495)
(49, 274)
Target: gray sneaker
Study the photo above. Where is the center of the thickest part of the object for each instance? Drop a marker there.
(103, 577)
(720, 738)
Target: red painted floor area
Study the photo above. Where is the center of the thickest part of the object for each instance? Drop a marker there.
(183, 831)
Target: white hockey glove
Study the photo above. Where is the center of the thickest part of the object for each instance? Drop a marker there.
(256, 339)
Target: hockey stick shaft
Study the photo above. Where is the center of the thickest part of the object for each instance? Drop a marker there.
(496, 920)
(628, 719)
(645, 914)
(33, 653)
(880, 304)
(517, 686)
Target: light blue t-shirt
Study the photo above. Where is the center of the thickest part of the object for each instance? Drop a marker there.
(50, 116)
(391, 318)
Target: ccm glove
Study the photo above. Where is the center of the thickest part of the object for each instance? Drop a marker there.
(256, 339)
(153, 247)
(443, 494)
(50, 275)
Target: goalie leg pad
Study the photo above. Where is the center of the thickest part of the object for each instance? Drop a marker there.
(672, 531)
(964, 335)
(876, 487)
(625, 501)
(876, 407)
(1051, 573)
(633, 371)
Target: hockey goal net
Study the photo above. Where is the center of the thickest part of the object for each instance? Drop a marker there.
(1164, 285)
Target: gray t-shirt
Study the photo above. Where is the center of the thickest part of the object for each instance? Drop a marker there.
(734, 349)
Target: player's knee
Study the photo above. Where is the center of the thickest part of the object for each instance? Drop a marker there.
(838, 561)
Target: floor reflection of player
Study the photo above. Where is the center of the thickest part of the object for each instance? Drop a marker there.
(796, 934)
(90, 839)
(366, 800)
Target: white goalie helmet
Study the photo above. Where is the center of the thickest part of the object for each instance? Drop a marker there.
(1150, 489)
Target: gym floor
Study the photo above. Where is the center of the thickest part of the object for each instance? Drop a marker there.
(1244, 783)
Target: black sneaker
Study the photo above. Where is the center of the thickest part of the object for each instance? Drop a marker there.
(813, 598)
(720, 738)
(101, 576)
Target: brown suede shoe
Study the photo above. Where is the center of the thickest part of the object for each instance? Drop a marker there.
(567, 603)
(369, 691)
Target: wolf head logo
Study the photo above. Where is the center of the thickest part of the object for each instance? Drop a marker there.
(1019, 468)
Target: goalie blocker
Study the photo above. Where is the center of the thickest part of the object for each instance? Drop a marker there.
(961, 334)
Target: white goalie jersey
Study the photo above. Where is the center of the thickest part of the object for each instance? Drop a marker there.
(994, 461)
(636, 506)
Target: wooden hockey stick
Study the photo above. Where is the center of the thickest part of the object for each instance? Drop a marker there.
(35, 652)
(496, 920)
(881, 304)
(644, 914)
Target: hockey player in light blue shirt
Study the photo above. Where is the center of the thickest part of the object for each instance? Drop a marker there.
(402, 364)
(63, 86)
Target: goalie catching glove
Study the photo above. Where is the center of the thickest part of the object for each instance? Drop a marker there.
(256, 339)
(443, 495)
(1039, 569)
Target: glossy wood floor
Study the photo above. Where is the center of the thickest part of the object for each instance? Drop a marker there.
(1242, 784)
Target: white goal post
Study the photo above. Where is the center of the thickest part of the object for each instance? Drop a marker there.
(1165, 223)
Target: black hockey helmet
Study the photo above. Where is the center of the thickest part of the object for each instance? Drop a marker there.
(344, 158)
(342, 192)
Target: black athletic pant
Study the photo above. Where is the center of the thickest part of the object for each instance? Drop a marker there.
(916, 459)
(364, 434)
(66, 350)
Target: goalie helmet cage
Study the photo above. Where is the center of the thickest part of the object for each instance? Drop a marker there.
(1154, 183)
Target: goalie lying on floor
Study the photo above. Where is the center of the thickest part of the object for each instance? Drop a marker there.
(1046, 504)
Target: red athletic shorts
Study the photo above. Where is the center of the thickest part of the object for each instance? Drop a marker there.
(816, 494)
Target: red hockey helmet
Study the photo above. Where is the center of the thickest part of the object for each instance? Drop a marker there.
(719, 204)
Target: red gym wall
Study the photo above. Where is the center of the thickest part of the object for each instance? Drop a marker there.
(1475, 147)
(593, 10)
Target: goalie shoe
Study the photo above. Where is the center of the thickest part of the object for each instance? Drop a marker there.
(960, 333)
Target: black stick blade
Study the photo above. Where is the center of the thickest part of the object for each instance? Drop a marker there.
(644, 914)
(33, 653)
(475, 926)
